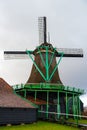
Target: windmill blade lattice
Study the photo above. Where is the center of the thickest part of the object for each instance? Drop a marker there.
(42, 30)
(70, 52)
(10, 55)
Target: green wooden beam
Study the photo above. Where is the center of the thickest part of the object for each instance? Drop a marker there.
(58, 105)
(25, 93)
(35, 96)
(41, 57)
(47, 105)
(55, 68)
(36, 65)
(47, 64)
(52, 57)
(79, 107)
(66, 105)
(74, 106)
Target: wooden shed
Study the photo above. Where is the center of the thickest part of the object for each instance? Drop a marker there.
(13, 108)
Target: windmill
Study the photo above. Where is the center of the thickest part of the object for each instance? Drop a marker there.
(44, 87)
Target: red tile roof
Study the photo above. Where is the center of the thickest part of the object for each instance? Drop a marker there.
(9, 99)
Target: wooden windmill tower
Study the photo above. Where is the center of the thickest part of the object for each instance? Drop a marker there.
(44, 87)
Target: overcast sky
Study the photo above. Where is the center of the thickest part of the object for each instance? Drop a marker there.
(67, 24)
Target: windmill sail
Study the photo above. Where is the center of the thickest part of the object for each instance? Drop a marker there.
(70, 52)
(42, 30)
(9, 55)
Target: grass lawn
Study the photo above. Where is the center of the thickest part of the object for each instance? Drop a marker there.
(82, 121)
(40, 125)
